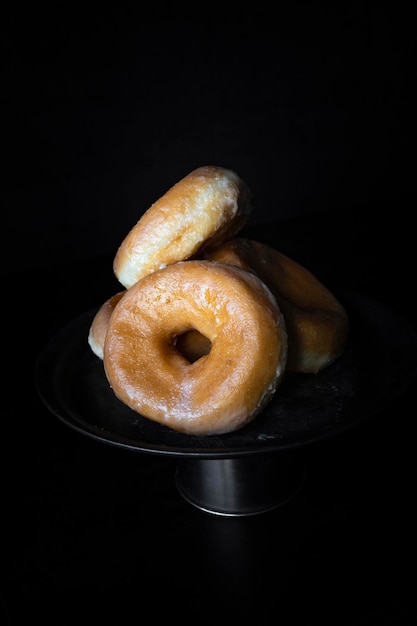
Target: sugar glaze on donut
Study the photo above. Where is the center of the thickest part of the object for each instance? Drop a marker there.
(224, 389)
(205, 207)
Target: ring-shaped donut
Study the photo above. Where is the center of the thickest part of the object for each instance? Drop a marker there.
(224, 389)
(204, 208)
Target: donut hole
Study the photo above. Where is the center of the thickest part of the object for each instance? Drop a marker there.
(192, 345)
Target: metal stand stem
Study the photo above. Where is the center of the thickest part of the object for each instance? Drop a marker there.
(246, 485)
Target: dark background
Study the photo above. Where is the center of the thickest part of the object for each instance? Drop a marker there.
(105, 107)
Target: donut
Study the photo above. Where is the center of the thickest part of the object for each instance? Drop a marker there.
(225, 388)
(98, 327)
(317, 323)
(205, 207)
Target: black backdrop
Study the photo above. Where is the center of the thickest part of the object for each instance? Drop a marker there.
(106, 107)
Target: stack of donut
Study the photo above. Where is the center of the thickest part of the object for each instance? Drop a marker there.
(207, 322)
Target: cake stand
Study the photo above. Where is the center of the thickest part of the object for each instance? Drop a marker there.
(257, 468)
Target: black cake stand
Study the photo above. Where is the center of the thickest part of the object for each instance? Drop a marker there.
(255, 469)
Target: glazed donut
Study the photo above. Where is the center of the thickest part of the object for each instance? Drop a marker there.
(221, 391)
(98, 328)
(317, 323)
(207, 206)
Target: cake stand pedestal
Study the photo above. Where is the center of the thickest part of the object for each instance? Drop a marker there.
(241, 485)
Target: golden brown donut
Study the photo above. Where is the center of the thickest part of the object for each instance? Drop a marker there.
(207, 206)
(98, 328)
(317, 323)
(221, 391)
